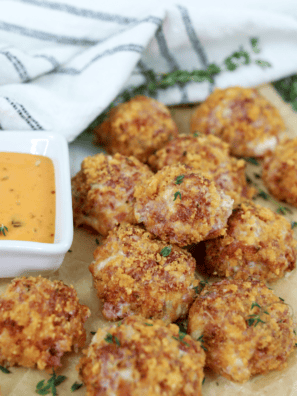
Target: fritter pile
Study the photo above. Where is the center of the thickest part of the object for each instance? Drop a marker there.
(142, 357)
(210, 155)
(138, 128)
(103, 191)
(181, 206)
(258, 244)
(280, 171)
(40, 320)
(244, 328)
(241, 117)
(134, 273)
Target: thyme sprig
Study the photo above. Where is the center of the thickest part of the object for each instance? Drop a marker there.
(181, 337)
(166, 251)
(162, 81)
(255, 319)
(76, 386)
(4, 370)
(50, 386)
(287, 88)
(201, 340)
(110, 339)
(281, 209)
(176, 195)
(3, 229)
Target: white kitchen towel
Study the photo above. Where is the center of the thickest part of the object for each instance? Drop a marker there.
(62, 62)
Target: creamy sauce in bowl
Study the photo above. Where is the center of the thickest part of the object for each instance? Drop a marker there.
(28, 197)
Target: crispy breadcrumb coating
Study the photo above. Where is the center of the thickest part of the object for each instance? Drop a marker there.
(280, 171)
(244, 328)
(138, 128)
(241, 117)
(103, 191)
(183, 212)
(142, 357)
(40, 320)
(133, 275)
(208, 154)
(258, 244)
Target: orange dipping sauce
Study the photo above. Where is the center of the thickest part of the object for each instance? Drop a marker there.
(28, 197)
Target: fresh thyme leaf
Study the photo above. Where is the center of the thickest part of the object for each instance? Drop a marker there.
(69, 251)
(176, 195)
(252, 160)
(181, 337)
(262, 63)
(203, 380)
(76, 386)
(195, 134)
(283, 210)
(109, 338)
(93, 332)
(166, 251)
(50, 386)
(293, 224)
(3, 229)
(254, 43)
(117, 341)
(248, 179)
(4, 370)
(237, 59)
(254, 304)
(257, 176)
(263, 195)
(179, 179)
(97, 242)
(148, 324)
(201, 339)
(281, 299)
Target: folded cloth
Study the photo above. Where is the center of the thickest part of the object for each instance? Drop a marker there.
(62, 62)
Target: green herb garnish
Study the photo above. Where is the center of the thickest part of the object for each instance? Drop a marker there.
(281, 299)
(201, 340)
(181, 337)
(179, 179)
(293, 224)
(148, 324)
(76, 386)
(166, 251)
(281, 209)
(176, 195)
(97, 242)
(93, 332)
(3, 229)
(203, 380)
(110, 339)
(252, 160)
(195, 134)
(255, 319)
(254, 43)
(4, 370)
(50, 386)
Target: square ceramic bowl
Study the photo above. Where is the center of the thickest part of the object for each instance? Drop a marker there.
(26, 258)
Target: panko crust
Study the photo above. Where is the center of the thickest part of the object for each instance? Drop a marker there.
(40, 320)
(132, 276)
(241, 117)
(280, 171)
(258, 244)
(182, 213)
(137, 127)
(207, 154)
(103, 191)
(245, 329)
(142, 357)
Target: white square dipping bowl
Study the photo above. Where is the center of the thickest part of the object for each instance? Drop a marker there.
(28, 258)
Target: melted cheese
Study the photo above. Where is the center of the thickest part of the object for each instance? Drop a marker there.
(28, 199)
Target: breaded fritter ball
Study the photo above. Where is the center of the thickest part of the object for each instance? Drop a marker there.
(244, 328)
(103, 191)
(241, 117)
(40, 320)
(181, 206)
(280, 171)
(258, 244)
(142, 357)
(138, 128)
(136, 274)
(208, 154)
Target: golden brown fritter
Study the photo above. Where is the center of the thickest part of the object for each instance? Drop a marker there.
(138, 128)
(134, 273)
(207, 154)
(103, 191)
(244, 328)
(258, 244)
(241, 117)
(280, 171)
(40, 320)
(142, 357)
(181, 206)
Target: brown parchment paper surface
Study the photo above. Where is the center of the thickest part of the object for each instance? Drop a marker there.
(74, 270)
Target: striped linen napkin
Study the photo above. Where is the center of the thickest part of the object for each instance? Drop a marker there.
(63, 61)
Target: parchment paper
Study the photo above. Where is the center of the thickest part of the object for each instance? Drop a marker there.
(74, 270)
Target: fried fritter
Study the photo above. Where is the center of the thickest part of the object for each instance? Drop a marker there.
(181, 206)
(258, 244)
(103, 191)
(207, 154)
(142, 357)
(241, 117)
(134, 273)
(138, 128)
(280, 171)
(40, 320)
(244, 328)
